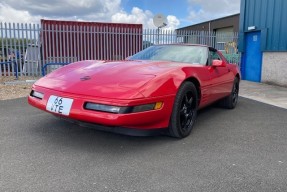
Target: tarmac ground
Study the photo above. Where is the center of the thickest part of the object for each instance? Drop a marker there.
(244, 149)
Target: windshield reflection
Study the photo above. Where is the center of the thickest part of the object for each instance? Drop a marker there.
(175, 53)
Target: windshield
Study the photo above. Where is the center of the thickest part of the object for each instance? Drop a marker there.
(176, 53)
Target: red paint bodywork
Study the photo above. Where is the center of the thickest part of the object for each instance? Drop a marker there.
(132, 83)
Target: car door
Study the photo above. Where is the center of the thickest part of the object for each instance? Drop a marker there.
(221, 77)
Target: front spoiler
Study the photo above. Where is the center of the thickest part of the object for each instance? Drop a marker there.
(119, 130)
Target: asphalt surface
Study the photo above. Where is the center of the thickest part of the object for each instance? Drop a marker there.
(244, 149)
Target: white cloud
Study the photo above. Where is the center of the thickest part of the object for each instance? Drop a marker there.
(140, 16)
(173, 22)
(203, 10)
(8, 14)
(137, 16)
(31, 11)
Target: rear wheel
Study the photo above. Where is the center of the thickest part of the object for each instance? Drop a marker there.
(230, 101)
(184, 111)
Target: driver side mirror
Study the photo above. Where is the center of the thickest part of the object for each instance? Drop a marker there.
(218, 63)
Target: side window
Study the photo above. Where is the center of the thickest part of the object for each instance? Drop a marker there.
(213, 56)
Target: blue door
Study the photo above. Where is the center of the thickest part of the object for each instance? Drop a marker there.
(253, 57)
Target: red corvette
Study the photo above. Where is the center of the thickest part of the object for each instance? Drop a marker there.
(160, 88)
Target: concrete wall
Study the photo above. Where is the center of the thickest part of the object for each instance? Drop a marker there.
(274, 68)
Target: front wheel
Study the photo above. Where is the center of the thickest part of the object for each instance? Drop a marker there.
(184, 111)
(230, 101)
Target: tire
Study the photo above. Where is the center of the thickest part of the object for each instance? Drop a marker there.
(230, 101)
(184, 111)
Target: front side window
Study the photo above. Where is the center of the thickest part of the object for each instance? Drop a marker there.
(213, 55)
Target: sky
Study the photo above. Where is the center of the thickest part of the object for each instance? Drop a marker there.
(179, 13)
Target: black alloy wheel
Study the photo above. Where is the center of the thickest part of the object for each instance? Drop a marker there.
(235, 92)
(230, 101)
(184, 111)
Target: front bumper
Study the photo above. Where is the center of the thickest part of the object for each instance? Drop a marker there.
(154, 119)
(120, 130)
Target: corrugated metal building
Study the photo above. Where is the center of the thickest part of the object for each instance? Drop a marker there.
(263, 41)
(224, 24)
(218, 32)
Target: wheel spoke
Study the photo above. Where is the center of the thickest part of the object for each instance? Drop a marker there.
(186, 99)
(235, 93)
(183, 120)
(183, 109)
(186, 125)
(190, 101)
(186, 111)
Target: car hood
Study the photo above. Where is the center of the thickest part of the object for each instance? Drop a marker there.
(118, 79)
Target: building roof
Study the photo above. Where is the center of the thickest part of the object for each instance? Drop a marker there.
(182, 28)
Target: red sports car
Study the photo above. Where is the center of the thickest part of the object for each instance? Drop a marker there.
(160, 88)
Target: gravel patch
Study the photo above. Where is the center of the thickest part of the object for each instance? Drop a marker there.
(12, 89)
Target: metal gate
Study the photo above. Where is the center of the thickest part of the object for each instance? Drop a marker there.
(26, 48)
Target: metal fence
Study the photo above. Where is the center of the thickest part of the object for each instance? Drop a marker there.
(25, 49)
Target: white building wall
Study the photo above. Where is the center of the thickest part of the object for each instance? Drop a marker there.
(274, 68)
